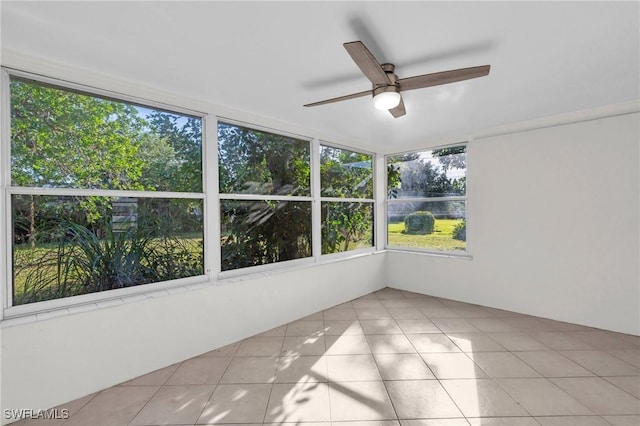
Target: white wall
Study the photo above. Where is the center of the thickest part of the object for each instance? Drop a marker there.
(553, 227)
(49, 362)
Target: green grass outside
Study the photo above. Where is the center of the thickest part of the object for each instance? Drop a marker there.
(26, 257)
(441, 239)
(42, 260)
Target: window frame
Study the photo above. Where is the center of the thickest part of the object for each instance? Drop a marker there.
(231, 273)
(316, 203)
(464, 198)
(210, 197)
(371, 201)
(102, 297)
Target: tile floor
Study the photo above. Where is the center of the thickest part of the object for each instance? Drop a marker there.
(390, 358)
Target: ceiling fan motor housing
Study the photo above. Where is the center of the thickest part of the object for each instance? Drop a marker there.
(393, 87)
(386, 96)
(388, 88)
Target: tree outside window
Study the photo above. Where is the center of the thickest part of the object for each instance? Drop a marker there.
(426, 206)
(265, 197)
(346, 181)
(75, 158)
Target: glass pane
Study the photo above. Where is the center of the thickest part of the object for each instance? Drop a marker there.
(433, 225)
(67, 139)
(346, 226)
(66, 246)
(345, 174)
(260, 232)
(256, 162)
(437, 173)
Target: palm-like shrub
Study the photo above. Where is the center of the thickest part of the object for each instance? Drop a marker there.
(104, 264)
(81, 262)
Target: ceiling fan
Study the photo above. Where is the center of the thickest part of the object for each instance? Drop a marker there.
(387, 86)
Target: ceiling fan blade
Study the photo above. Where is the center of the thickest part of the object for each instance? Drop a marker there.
(341, 98)
(398, 111)
(444, 77)
(367, 63)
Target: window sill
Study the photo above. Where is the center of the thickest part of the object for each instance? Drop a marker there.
(33, 312)
(447, 254)
(40, 311)
(267, 270)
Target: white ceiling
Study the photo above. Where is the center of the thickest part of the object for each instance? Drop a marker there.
(270, 58)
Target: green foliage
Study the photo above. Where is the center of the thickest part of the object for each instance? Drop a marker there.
(173, 154)
(260, 232)
(113, 262)
(345, 226)
(421, 222)
(171, 258)
(427, 174)
(345, 174)
(82, 263)
(440, 240)
(393, 180)
(262, 163)
(451, 157)
(69, 139)
(460, 231)
(161, 167)
(256, 162)
(61, 138)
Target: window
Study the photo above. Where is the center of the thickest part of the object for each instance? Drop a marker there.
(426, 206)
(265, 197)
(107, 193)
(346, 182)
(104, 194)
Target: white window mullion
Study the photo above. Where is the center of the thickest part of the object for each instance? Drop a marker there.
(316, 205)
(211, 202)
(76, 192)
(254, 197)
(427, 199)
(5, 203)
(347, 200)
(470, 179)
(380, 207)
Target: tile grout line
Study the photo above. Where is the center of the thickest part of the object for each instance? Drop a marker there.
(204, 407)
(384, 383)
(275, 374)
(326, 365)
(145, 404)
(432, 372)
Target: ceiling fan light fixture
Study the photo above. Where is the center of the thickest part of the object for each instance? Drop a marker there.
(386, 100)
(386, 86)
